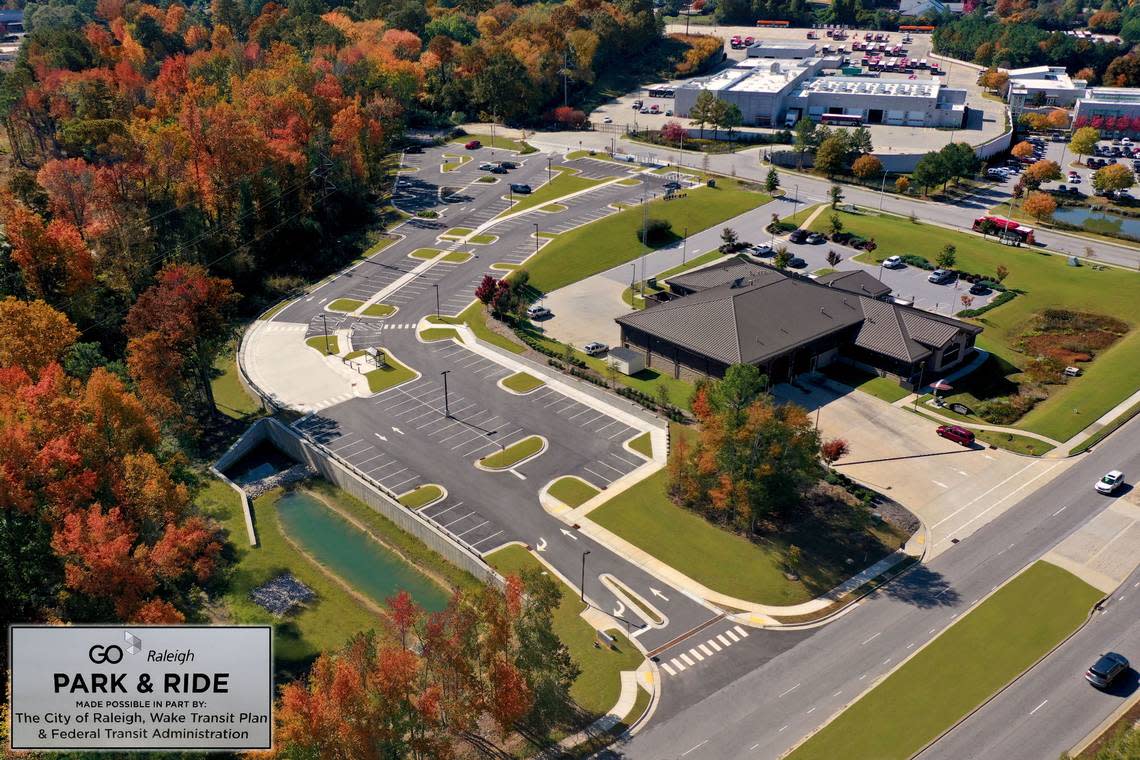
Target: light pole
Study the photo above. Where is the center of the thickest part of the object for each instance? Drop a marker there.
(583, 586)
(881, 269)
(536, 238)
(548, 159)
(446, 408)
(632, 278)
(795, 203)
(436, 286)
(684, 246)
(882, 191)
(325, 322)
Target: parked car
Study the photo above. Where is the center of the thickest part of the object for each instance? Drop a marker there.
(520, 189)
(538, 312)
(486, 166)
(797, 263)
(414, 149)
(1111, 481)
(997, 174)
(979, 289)
(508, 164)
(1062, 188)
(473, 145)
(595, 348)
(894, 262)
(607, 120)
(956, 434)
(798, 235)
(1108, 667)
(669, 112)
(763, 249)
(1071, 372)
(498, 169)
(940, 276)
(816, 238)
(672, 185)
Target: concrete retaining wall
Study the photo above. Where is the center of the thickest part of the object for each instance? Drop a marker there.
(352, 481)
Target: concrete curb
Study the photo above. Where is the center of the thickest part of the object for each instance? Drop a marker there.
(545, 445)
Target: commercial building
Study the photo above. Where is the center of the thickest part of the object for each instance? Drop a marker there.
(786, 324)
(1042, 87)
(1113, 110)
(778, 92)
(792, 50)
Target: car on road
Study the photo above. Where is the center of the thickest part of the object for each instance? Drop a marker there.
(797, 263)
(1111, 481)
(414, 149)
(798, 236)
(979, 289)
(956, 434)
(498, 169)
(508, 164)
(486, 166)
(1108, 667)
(940, 276)
(762, 249)
(595, 348)
(520, 189)
(538, 312)
(672, 185)
(816, 238)
(669, 112)
(472, 145)
(607, 120)
(894, 262)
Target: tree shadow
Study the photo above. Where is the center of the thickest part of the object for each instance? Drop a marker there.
(923, 588)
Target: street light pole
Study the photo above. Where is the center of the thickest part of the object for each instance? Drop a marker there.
(548, 159)
(632, 278)
(684, 246)
(436, 286)
(795, 203)
(882, 190)
(325, 322)
(446, 408)
(536, 238)
(583, 586)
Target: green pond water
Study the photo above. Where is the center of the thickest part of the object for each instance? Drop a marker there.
(350, 553)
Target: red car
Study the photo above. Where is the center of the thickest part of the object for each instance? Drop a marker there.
(473, 145)
(956, 434)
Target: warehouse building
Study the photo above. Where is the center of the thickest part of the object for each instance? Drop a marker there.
(1042, 87)
(1113, 110)
(778, 92)
(747, 313)
(793, 50)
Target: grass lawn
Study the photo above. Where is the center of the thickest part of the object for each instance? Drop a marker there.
(1019, 444)
(513, 454)
(962, 667)
(868, 382)
(503, 266)
(643, 444)
(438, 333)
(457, 232)
(390, 375)
(457, 257)
(455, 162)
(613, 240)
(425, 253)
(499, 141)
(273, 310)
(629, 182)
(475, 316)
(753, 571)
(553, 208)
(345, 304)
(825, 270)
(230, 396)
(599, 684)
(379, 310)
(484, 239)
(522, 382)
(564, 182)
(326, 346)
(573, 492)
(1046, 281)
(421, 496)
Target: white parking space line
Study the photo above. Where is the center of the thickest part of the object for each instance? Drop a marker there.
(488, 538)
(464, 533)
(596, 475)
(460, 519)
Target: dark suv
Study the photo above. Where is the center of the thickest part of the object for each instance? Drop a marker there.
(1106, 669)
(798, 236)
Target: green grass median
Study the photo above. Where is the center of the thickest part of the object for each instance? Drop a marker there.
(379, 310)
(425, 253)
(326, 346)
(433, 334)
(421, 496)
(513, 454)
(522, 382)
(643, 444)
(571, 491)
(959, 670)
(599, 684)
(382, 378)
(345, 304)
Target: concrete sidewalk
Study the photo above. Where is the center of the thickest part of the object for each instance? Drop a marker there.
(293, 374)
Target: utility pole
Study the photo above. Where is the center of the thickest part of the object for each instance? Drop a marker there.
(684, 246)
(446, 407)
(795, 203)
(548, 159)
(583, 586)
(436, 286)
(325, 322)
(536, 238)
(882, 189)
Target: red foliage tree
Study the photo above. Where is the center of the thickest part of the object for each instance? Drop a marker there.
(833, 450)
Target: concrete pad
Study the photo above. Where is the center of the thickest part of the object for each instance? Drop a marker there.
(1105, 550)
(293, 374)
(585, 312)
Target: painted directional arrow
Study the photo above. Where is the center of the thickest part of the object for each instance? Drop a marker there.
(619, 609)
(401, 432)
(568, 533)
(658, 593)
(541, 545)
(382, 438)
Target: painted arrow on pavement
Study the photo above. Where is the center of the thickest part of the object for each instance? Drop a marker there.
(541, 546)
(382, 438)
(619, 609)
(568, 533)
(658, 593)
(401, 432)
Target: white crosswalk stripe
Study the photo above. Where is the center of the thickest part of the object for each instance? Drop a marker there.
(743, 633)
(685, 659)
(709, 648)
(677, 664)
(732, 635)
(667, 669)
(694, 653)
(712, 643)
(720, 637)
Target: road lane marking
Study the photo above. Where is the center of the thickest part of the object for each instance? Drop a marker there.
(705, 649)
(1059, 511)
(836, 694)
(676, 664)
(868, 641)
(712, 643)
(1035, 709)
(789, 691)
(937, 483)
(720, 637)
(706, 741)
(782, 728)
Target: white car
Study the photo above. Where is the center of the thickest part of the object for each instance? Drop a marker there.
(538, 312)
(595, 348)
(1126, 141)
(894, 262)
(607, 120)
(1110, 482)
(763, 249)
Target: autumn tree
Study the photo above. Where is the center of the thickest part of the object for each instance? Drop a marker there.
(53, 259)
(1040, 172)
(867, 167)
(1038, 205)
(1022, 150)
(34, 335)
(1001, 272)
(1084, 141)
(176, 329)
(833, 449)
(994, 80)
(902, 185)
(1114, 177)
(1058, 118)
(673, 132)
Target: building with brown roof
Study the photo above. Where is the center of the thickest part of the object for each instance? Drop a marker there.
(742, 312)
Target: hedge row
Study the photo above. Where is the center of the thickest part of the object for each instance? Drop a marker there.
(1003, 297)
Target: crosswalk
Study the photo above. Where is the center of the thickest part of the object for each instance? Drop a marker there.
(710, 648)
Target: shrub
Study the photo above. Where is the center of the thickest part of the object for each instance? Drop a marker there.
(917, 261)
(657, 231)
(1004, 297)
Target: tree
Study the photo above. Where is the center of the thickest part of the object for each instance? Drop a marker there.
(673, 132)
(729, 239)
(656, 231)
(729, 117)
(833, 449)
(803, 136)
(1058, 118)
(1040, 206)
(485, 291)
(1112, 178)
(1084, 141)
(960, 161)
(947, 257)
(835, 224)
(966, 300)
(836, 195)
(902, 185)
(703, 110)
(994, 80)
(34, 335)
(1001, 272)
(833, 258)
(831, 155)
(930, 170)
(867, 167)
(772, 180)
(1022, 150)
(860, 141)
(176, 329)
(1040, 172)
(782, 257)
